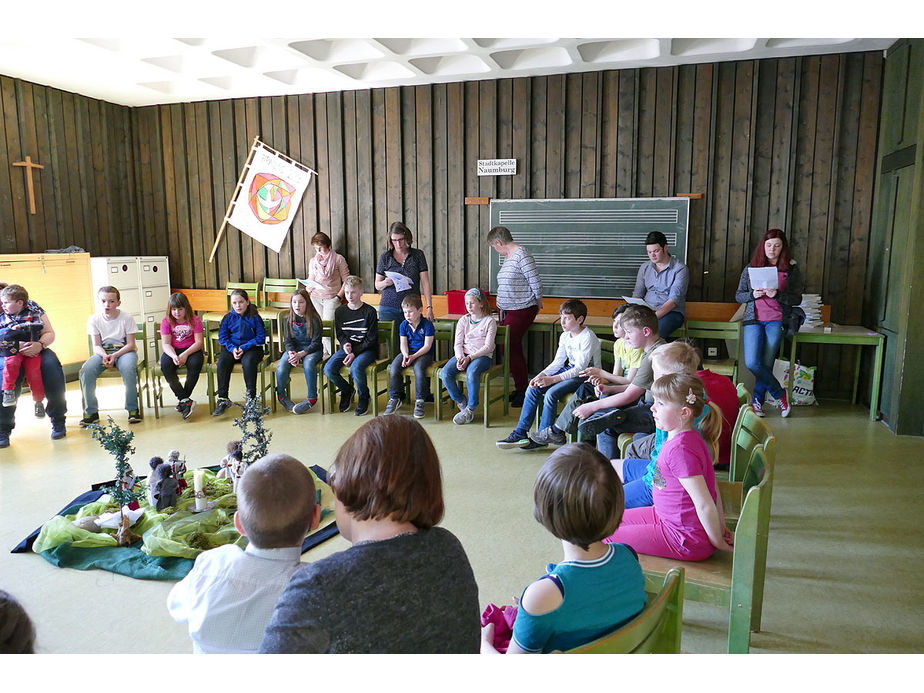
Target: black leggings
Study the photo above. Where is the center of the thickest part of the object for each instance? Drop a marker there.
(249, 362)
(193, 369)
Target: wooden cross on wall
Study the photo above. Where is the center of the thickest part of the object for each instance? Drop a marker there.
(29, 165)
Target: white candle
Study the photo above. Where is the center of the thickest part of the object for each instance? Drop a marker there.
(199, 489)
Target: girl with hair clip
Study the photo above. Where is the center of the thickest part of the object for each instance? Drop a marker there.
(597, 587)
(241, 336)
(686, 521)
(474, 348)
(183, 344)
(302, 331)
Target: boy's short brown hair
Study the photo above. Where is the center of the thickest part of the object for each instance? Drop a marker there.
(578, 496)
(14, 292)
(109, 290)
(389, 469)
(575, 307)
(353, 281)
(639, 317)
(676, 357)
(275, 502)
(412, 300)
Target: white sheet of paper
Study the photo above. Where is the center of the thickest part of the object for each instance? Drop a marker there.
(402, 283)
(310, 284)
(636, 301)
(763, 278)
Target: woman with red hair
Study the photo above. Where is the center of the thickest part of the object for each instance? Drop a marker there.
(764, 313)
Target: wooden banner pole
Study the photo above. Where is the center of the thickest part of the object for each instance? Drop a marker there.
(237, 190)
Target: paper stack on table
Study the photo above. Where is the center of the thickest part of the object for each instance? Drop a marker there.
(811, 306)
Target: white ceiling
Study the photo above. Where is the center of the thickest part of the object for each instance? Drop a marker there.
(140, 70)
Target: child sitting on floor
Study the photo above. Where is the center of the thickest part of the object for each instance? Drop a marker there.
(598, 587)
(685, 521)
(229, 596)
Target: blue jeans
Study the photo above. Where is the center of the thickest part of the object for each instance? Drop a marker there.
(127, 365)
(309, 365)
(472, 379)
(636, 489)
(761, 345)
(357, 371)
(53, 380)
(669, 323)
(549, 397)
(389, 313)
(421, 382)
(605, 427)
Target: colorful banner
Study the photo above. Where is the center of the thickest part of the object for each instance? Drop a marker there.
(269, 196)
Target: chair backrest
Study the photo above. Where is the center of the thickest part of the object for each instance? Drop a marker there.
(141, 342)
(444, 339)
(708, 329)
(749, 430)
(277, 286)
(607, 355)
(213, 348)
(252, 289)
(744, 395)
(762, 456)
(656, 630)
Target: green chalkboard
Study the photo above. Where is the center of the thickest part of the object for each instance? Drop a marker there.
(590, 248)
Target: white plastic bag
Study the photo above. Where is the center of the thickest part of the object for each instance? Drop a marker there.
(803, 387)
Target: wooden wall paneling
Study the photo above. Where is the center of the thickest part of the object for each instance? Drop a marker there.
(181, 201)
(298, 234)
(487, 149)
(683, 162)
(29, 143)
(276, 141)
(590, 134)
(555, 137)
(335, 158)
(257, 268)
(219, 266)
(572, 139)
(161, 246)
(380, 179)
(20, 201)
(441, 190)
(309, 206)
(393, 172)
(647, 118)
(283, 259)
(785, 119)
(49, 221)
(627, 134)
(739, 178)
(324, 212)
(127, 200)
(409, 158)
(142, 148)
(521, 138)
(205, 270)
(79, 231)
(456, 208)
(97, 187)
(88, 204)
(352, 201)
(820, 231)
(609, 128)
(701, 177)
(173, 238)
(664, 124)
(473, 230)
(503, 188)
(230, 247)
(423, 234)
(764, 106)
(194, 184)
(721, 182)
(7, 224)
(803, 170)
(57, 159)
(538, 114)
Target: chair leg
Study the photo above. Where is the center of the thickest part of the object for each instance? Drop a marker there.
(486, 397)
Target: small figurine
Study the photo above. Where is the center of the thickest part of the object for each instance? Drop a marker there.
(238, 467)
(225, 471)
(127, 482)
(162, 486)
(125, 536)
(179, 469)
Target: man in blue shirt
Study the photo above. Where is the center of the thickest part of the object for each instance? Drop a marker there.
(662, 282)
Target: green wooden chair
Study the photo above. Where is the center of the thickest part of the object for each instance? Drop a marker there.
(266, 384)
(744, 395)
(253, 293)
(749, 430)
(142, 379)
(736, 580)
(656, 630)
(271, 309)
(327, 330)
(443, 345)
(387, 330)
(704, 329)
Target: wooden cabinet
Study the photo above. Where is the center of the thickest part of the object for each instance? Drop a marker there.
(60, 283)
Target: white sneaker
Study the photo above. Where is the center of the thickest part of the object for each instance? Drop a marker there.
(465, 416)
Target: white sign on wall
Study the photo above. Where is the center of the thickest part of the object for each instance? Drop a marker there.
(497, 167)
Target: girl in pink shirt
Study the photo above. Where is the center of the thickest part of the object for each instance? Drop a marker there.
(686, 521)
(474, 348)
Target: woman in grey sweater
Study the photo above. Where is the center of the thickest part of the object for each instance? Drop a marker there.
(405, 586)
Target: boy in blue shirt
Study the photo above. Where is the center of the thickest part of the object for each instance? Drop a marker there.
(417, 336)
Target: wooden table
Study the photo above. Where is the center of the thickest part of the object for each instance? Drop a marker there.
(845, 334)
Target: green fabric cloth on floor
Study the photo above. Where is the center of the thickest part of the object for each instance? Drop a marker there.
(124, 560)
